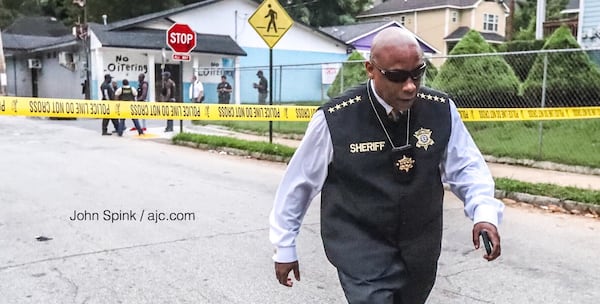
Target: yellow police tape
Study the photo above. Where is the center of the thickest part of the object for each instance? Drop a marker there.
(75, 108)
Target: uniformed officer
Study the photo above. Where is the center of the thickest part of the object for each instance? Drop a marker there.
(378, 155)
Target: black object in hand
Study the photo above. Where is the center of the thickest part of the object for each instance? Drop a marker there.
(486, 241)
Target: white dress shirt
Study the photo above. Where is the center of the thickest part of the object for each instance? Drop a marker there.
(196, 90)
(463, 169)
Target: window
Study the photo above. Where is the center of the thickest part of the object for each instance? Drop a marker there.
(490, 22)
(454, 16)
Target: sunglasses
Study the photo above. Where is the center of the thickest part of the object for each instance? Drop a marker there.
(402, 75)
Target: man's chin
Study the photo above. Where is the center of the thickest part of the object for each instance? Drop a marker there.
(405, 103)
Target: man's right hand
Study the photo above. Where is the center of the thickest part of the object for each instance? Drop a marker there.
(282, 271)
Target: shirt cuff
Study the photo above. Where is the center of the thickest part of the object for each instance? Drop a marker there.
(487, 213)
(285, 255)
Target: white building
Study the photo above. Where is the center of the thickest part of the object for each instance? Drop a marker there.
(227, 44)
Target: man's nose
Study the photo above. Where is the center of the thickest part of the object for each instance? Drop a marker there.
(409, 86)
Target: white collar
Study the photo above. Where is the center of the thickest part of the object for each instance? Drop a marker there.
(387, 107)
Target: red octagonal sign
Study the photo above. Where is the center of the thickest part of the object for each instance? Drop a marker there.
(181, 38)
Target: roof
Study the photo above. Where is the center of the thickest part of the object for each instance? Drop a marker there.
(132, 22)
(351, 33)
(463, 30)
(38, 26)
(398, 6)
(15, 43)
(348, 32)
(141, 38)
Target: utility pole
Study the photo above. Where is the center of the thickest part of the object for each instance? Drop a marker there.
(510, 22)
(83, 34)
(3, 80)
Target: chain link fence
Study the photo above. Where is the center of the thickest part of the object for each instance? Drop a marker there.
(531, 79)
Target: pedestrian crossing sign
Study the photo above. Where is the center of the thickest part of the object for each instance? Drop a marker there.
(270, 21)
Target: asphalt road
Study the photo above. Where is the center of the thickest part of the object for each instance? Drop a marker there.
(216, 249)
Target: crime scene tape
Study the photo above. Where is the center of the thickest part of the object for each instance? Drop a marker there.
(75, 108)
(521, 114)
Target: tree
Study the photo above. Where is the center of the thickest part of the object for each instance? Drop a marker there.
(325, 13)
(70, 13)
(496, 81)
(568, 74)
(352, 72)
(519, 58)
(554, 7)
(10, 10)
(118, 9)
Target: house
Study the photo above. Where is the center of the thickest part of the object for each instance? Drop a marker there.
(38, 51)
(45, 59)
(442, 23)
(360, 35)
(126, 52)
(569, 17)
(226, 44)
(296, 58)
(589, 24)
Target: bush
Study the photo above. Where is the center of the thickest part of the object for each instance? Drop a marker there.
(353, 73)
(478, 81)
(430, 73)
(568, 74)
(521, 63)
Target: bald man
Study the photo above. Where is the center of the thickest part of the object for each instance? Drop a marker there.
(378, 155)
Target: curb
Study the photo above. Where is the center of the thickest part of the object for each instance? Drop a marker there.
(549, 204)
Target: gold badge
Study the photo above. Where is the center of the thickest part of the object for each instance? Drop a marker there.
(405, 164)
(424, 138)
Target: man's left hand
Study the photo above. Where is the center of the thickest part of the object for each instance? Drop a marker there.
(494, 239)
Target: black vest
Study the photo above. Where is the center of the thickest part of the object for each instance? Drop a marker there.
(127, 94)
(365, 210)
(140, 89)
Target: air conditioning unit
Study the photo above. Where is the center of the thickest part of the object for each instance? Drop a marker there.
(34, 63)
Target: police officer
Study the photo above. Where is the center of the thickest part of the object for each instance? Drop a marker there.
(108, 93)
(379, 155)
(127, 93)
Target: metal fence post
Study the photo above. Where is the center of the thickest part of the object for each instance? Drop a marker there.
(541, 123)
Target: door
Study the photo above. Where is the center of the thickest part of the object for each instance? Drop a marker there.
(175, 71)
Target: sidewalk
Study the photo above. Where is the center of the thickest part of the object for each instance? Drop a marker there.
(521, 173)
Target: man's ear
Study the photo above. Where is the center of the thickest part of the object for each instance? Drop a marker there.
(369, 67)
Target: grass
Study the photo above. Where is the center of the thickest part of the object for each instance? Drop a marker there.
(565, 193)
(550, 190)
(221, 141)
(259, 127)
(571, 142)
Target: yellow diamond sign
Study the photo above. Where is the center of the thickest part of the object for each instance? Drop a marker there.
(271, 21)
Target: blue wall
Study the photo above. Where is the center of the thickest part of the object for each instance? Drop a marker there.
(290, 83)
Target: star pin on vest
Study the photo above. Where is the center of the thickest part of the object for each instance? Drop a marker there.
(403, 162)
(344, 104)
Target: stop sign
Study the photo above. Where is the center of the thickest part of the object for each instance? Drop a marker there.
(181, 38)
